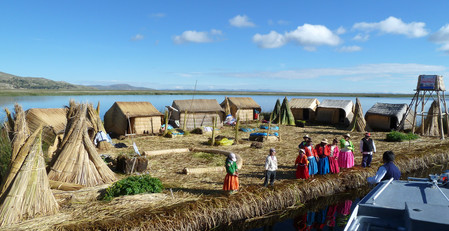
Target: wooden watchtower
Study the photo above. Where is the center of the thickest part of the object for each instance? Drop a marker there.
(430, 87)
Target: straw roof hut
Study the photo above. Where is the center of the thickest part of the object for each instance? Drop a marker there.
(77, 161)
(196, 112)
(304, 109)
(26, 191)
(144, 118)
(244, 108)
(387, 117)
(335, 111)
(54, 121)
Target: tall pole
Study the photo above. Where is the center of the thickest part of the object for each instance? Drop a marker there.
(440, 117)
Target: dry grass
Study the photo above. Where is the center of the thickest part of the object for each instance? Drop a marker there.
(198, 201)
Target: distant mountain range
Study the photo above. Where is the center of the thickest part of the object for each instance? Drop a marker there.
(11, 82)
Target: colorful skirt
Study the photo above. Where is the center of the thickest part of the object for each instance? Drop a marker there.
(302, 172)
(333, 165)
(231, 182)
(346, 159)
(323, 166)
(313, 166)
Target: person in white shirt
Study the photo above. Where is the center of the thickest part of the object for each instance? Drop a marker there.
(271, 165)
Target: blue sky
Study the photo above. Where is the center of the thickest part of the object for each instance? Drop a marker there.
(302, 46)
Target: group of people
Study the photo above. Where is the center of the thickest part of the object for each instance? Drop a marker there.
(321, 159)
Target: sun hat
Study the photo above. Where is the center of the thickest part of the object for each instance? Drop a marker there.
(306, 136)
(232, 157)
(272, 150)
(324, 141)
(367, 134)
(347, 135)
(302, 150)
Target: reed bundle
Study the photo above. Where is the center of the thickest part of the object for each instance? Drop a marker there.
(64, 186)
(167, 151)
(203, 170)
(27, 191)
(21, 131)
(358, 123)
(77, 160)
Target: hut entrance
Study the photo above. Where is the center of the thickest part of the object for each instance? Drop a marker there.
(393, 122)
(305, 114)
(341, 116)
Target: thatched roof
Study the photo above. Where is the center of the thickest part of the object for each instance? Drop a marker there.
(54, 121)
(346, 105)
(242, 102)
(387, 109)
(136, 109)
(197, 105)
(304, 103)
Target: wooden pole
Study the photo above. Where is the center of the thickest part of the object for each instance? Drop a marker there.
(237, 125)
(166, 122)
(415, 112)
(440, 117)
(446, 114)
(213, 131)
(269, 125)
(422, 112)
(184, 126)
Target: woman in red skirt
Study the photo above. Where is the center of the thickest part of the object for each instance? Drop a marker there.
(231, 181)
(301, 163)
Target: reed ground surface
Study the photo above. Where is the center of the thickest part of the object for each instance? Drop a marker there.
(83, 206)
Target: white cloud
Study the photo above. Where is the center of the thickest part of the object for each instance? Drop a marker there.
(361, 37)
(241, 21)
(393, 25)
(137, 37)
(441, 37)
(349, 49)
(192, 36)
(157, 15)
(307, 36)
(270, 40)
(340, 30)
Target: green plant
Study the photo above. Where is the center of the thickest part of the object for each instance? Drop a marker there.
(395, 136)
(300, 123)
(5, 153)
(134, 185)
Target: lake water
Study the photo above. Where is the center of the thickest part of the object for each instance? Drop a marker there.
(160, 101)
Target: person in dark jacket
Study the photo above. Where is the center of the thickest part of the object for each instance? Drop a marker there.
(367, 148)
(386, 171)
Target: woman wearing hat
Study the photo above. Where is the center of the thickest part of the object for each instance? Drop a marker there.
(231, 181)
(333, 156)
(312, 157)
(301, 163)
(304, 142)
(323, 152)
(346, 155)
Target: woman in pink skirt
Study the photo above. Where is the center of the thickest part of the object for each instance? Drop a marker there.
(333, 157)
(346, 157)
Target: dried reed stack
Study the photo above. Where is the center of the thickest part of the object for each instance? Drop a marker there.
(21, 131)
(77, 160)
(358, 123)
(26, 192)
(431, 123)
(9, 125)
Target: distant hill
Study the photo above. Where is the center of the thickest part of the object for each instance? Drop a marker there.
(119, 87)
(8, 81)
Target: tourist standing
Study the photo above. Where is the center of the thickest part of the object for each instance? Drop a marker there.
(231, 182)
(311, 157)
(387, 171)
(304, 142)
(301, 164)
(333, 156)
(367, 148)
(323, 152)
(271, 165)
(346, 156)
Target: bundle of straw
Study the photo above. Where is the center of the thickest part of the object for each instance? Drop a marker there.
(26, 192)
(77, 161)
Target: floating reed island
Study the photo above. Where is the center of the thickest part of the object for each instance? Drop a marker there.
(196, 201)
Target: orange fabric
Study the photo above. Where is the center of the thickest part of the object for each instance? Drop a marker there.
(302, 172)
(309, 152)
(231, 182)
(319, 150)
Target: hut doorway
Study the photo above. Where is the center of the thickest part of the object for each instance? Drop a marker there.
(341, 116)
(393, 122)
(305, 114)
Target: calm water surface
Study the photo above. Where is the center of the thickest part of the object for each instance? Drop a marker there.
(160, 101)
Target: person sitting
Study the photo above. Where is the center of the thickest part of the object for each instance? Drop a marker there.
(386, 171)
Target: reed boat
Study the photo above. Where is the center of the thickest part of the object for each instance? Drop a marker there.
(414, 204)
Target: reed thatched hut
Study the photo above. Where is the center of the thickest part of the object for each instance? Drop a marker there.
(387, 117)
(304, 109)
(53, 120)
(196, 113)
(244, 108)
(144, 118)
(335, 111)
